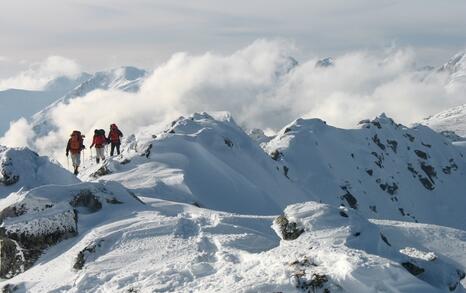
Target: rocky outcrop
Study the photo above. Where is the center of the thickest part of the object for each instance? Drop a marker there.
(288, 230)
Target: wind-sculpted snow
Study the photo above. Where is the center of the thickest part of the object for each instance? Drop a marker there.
(203, 160)
(383, 169)
(172, 247)
(23, 168)
(42, 217)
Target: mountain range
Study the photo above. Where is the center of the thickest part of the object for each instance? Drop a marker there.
(201, 205)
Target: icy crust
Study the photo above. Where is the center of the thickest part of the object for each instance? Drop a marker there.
(339, 250)
(23, 168)
(42, 217)
(205, 159)
(383, 169)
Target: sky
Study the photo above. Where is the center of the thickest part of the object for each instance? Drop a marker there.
(207, 55)
(109, 33)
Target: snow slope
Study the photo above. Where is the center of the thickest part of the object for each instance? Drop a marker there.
(453, 119)
(456, 69)
(382, 169)
(99, 237)
(21, 168)
(199, 250)
(204, 160)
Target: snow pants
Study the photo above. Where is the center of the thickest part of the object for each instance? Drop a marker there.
(76, 159)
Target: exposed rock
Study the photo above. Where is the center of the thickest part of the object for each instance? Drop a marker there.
(288, 230)
(409, 136)
(285, 171)
(460, 275)
(86, 199)
(113, 200)
(426, 183)
(317, 281)
(385, 239)
(228, 142)
(102, 171)
(147, 151)
(9, 288)
(275, 155)
(421, 154)
(125, 161)
(412, 268)
(12, 211)
(380, 159)
(426, 145)
(390, 189)
(7, 177)
(429, 170)
(350, 199)
(83, 254)
(370, 172)
(12, 261)
(376, 140)
(393, 144)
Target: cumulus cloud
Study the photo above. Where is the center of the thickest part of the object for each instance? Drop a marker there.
(18, 134)
(40, 73)
(261, 86)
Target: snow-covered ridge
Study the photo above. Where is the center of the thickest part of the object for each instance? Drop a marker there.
(453, 119)
(204, 159)
(384, 169)
(82, 237)
(21, 168)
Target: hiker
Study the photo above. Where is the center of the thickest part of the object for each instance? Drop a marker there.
(99, 141)
(75, 146)
(114, 138)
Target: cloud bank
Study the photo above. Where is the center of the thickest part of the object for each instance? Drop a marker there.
(261, 86)
(40, 73)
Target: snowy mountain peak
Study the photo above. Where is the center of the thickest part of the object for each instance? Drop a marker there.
(452, 120)
(378, 122)
(379, 162)
(455, 64)
(125, 78)
(64, 84)
(325, 62)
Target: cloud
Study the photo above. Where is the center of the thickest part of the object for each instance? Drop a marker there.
(261, 86)
(40, 73)
(19, 134)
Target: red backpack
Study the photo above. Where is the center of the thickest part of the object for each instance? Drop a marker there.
(76, 142)
(114, 134)
(99, 140)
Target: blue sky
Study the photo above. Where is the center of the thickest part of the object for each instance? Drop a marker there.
(103, 34)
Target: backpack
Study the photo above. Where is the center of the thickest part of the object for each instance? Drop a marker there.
(76, 141)
(114, 135)
(100, 137)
